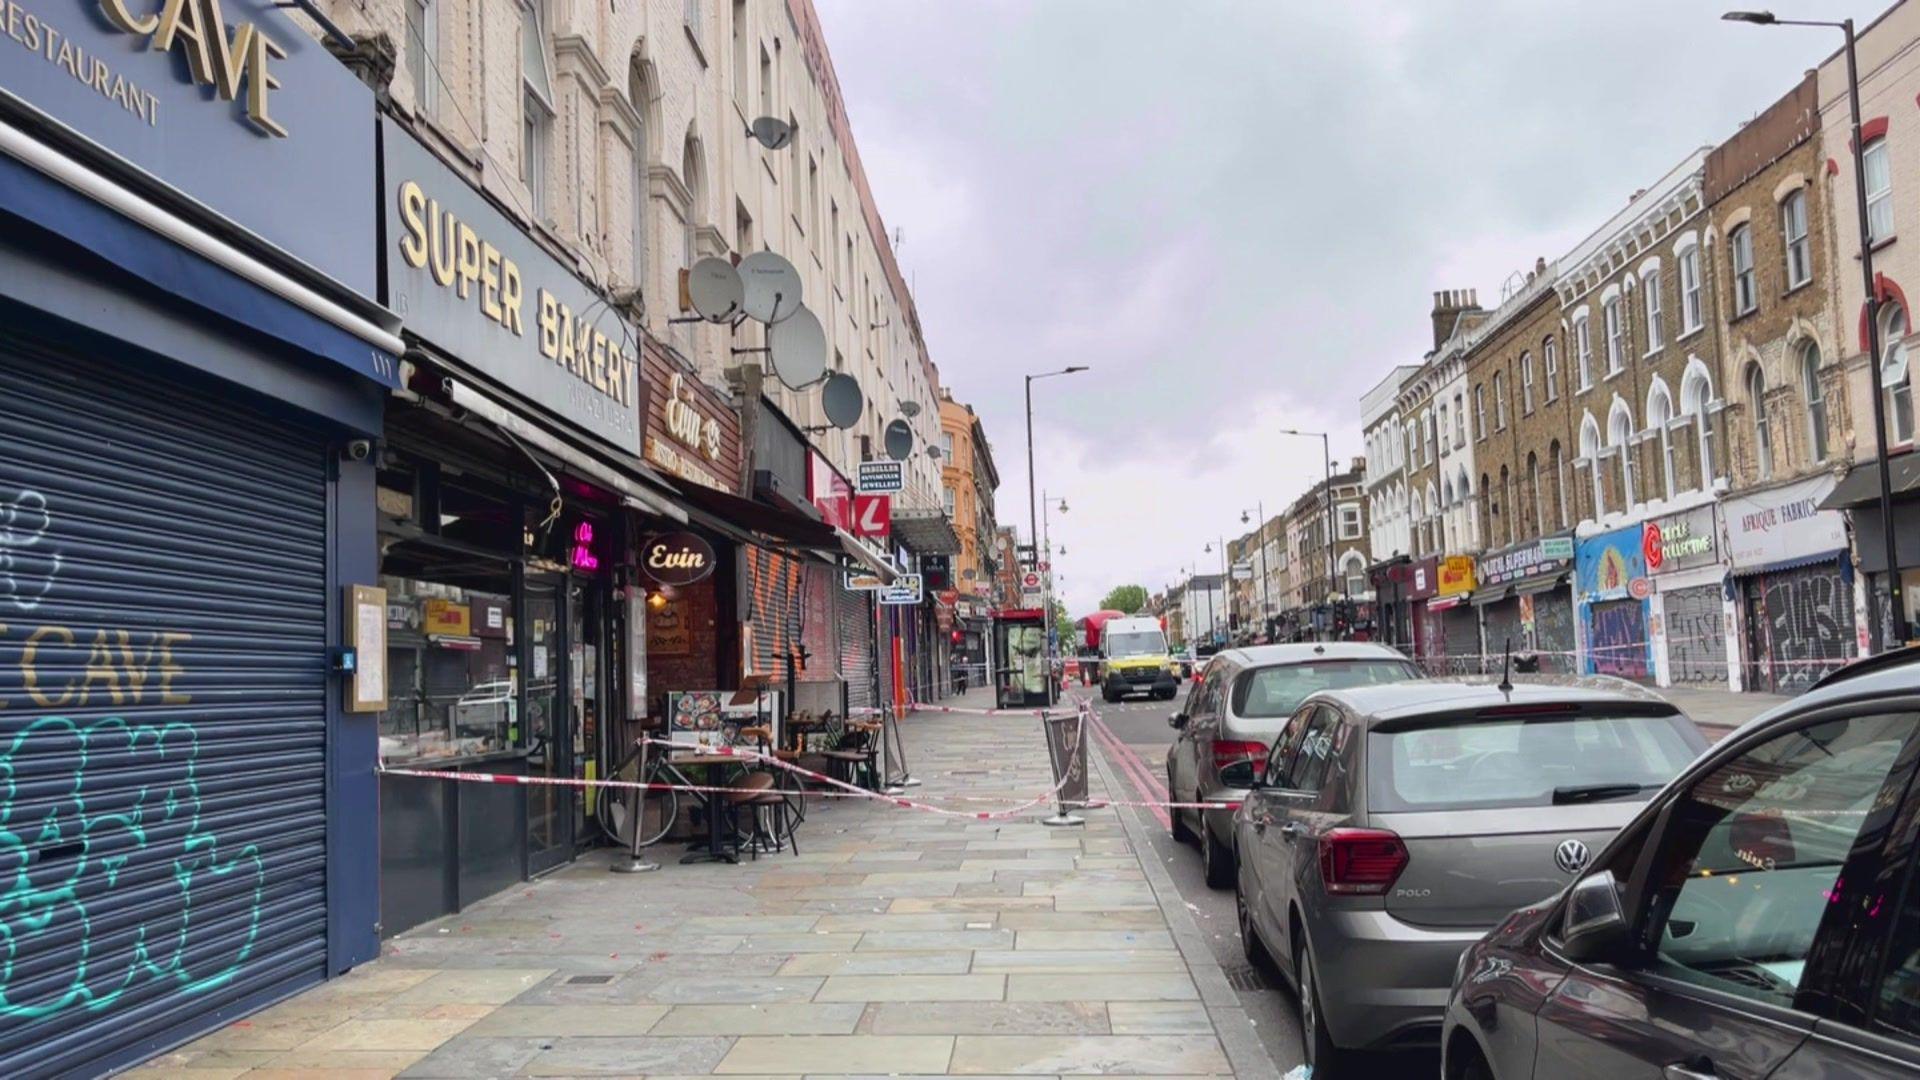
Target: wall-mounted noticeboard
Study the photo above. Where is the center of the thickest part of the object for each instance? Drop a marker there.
(366, 627)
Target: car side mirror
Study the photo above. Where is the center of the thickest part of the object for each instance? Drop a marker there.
(1593, 928)
(1177, 721)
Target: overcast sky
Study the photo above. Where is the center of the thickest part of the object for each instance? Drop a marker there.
(1237, 213)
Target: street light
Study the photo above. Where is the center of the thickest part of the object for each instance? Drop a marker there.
(1326, 453)
(1033, 514)
(1266, 593)
(1874, 360)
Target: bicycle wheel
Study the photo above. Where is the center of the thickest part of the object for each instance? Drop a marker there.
(658, 809)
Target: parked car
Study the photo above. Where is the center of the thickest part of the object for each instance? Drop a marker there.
(1393, 825)
(1183, 660)
(1759, 918)
(1233, 713)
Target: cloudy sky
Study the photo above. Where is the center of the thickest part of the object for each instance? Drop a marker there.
(1237, 213)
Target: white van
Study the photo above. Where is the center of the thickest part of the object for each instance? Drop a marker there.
(1134, 660)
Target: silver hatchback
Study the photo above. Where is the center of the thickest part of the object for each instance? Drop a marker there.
(1231, 717)
(1392, 826)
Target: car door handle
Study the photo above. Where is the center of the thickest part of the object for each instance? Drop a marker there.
(1289, 831)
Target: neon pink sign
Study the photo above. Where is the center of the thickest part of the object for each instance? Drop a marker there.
(582, 556)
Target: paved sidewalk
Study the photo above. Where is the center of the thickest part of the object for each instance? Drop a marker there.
(1718, 710)
(897, 943)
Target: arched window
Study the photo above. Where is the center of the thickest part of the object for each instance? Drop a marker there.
(1659, 413)
(1620, 439)
(1353, 574)
(1505, 507)
(1756, 383)
(1816, 399)
(1896, 380)
(1483, 518)
(1533, 493)
(1526, 384)
(1550, 359)
(1746, 291)
(640, 93)
(1879, 177)
(1793, 230)
(1413, 527)
(1696, 400)
(1556, 470)
(1590, 450)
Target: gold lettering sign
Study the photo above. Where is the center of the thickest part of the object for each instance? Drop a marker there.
(686, 424)
(198, 30)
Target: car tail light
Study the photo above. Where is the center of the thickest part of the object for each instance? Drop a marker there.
(1361, 862)
(1228, 752)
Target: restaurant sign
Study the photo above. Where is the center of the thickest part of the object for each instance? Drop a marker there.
(1456, 576)
(679, 558)
(1681, 541)
(465, 277)
(226, 101)
(686, 440)
(1530, 559)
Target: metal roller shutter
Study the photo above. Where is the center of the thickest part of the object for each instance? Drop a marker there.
(773, 595)
(163, 739)
(1461, 627)
(1696, 636)
(1617, 638)
(1504, 631)
(1799, 626)
(1553, 630)
(856, 646)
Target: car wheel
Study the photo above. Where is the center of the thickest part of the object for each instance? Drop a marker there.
(1106, 695)
(1250, 943)
(1324, 1058)
(1216, 856)
(1476, 1068)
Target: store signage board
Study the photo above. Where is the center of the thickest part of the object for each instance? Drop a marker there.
(1681, 541)
(1784, 523)
(685, 440)
(829, 492)
(863, 582)
(872, 515)
(882, 477)
(677, 558)
(1524, 560)
(271, 132)
(1456, 575)
(471, 281)
(1557, 547)
(906, 589)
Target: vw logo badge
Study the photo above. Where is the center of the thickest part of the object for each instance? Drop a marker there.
(1571, 856)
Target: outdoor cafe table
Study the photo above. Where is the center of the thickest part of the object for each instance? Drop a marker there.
(712, 767)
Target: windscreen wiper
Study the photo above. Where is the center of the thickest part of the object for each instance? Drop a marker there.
(1591, 792)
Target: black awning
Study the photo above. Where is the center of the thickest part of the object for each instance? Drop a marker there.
(926, 531)
(735, 514)
(1861, 486)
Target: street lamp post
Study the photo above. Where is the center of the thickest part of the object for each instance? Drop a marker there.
(1266, 594)
(1226, 579)
(1326, 454)
(1898, 618)
(1033, 514)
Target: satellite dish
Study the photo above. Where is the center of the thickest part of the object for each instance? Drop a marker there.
(909, 409)
(798, 347)
(715, 288)
(899, 440)
(933, 452)
(842, 399)
(772, 287)
(771, 132)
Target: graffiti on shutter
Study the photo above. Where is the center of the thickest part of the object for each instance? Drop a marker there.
(1553, 630)
(1799, 626)
(1696, 636)
(1617, 641)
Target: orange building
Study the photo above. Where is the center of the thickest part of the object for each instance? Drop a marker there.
(969, 479)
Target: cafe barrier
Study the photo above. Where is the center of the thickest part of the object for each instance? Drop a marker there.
(1067, 752)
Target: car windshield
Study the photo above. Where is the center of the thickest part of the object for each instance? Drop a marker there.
(1136, 643)
(1524, 762)
(1278, 690)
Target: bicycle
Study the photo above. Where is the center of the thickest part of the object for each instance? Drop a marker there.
(660, 804)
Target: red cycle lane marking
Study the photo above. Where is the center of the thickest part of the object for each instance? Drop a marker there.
(1136, 770)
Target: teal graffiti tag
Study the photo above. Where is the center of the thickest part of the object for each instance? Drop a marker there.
(107, 879)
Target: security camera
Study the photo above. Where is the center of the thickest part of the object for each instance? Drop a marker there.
(359, 449)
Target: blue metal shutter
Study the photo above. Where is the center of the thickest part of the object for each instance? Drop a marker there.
(162, 709)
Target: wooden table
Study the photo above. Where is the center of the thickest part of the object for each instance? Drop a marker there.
(715, 850)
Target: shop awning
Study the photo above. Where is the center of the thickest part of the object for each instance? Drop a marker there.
(1445, 602)
(758, 523)
(927, 531)
(1537, 585)
(640, 486)
(1493, 595)
(1861, 486)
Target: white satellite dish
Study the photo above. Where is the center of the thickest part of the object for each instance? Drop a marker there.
(798, 347)
(771, 132)
(772, 287)
(899, 440)
(716, 290)
(909, 409)
(842, 400)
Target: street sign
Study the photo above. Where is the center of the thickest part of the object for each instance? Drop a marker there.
(872, 515)
(860, 581)
(1030, 581)
(905, 589)
(1030, 598)
(882, 477)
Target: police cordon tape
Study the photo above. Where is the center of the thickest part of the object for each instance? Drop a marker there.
(841, 789)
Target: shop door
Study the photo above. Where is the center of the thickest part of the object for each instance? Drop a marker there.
(1696, 636)
(1460, 626)
(1617, 640)
(1504, 630)
(591, 673)
(1799, 627)
(163, 709)
(854, 613)
(550, 813)
(1552, 629)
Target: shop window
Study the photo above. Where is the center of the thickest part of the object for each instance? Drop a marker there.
(1816, 400)
(452, 686)
(1895, 379)
(1746, 292)
(1793, 227)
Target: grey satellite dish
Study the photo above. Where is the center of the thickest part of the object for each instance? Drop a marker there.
(798, 347)
(899, 440)
(909, 409)
(716, 290)
(771, 132)
(842, 400)
(772, 287)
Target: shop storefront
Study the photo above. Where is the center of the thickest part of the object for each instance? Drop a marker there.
(1426, 637)
(1526, 601)
(184, 482)
(1610, 576)
(1859, 495)
(510, 501)
(1794, 586)
(1459, 622)
(1393, 622)
(1691, 609)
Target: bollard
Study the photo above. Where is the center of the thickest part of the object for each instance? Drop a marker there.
(636, 817)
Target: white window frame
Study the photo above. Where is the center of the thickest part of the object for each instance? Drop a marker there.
(1660, 419)
(1349, 529)
(423, 34)
(1691, 315)
(1793, 230)
(1818, 435)
(1583, 351)
(1896, 374)
(1877, 162)
(1755, 384)
(1620, 439)
(1650, 291)
(1459, 420)
(1616, 328)
(1746, 282)
(1499, 401)
(1480, 409)
(1526, 384)
(1550, 359)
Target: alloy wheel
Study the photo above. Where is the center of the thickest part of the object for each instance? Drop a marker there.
(1309, 1021)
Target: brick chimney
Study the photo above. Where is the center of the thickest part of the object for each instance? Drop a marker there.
(1447, 306)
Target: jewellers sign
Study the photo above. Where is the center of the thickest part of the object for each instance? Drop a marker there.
(226, 101)
(465, 277)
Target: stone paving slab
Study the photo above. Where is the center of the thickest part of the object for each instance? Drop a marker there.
(898, 944)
